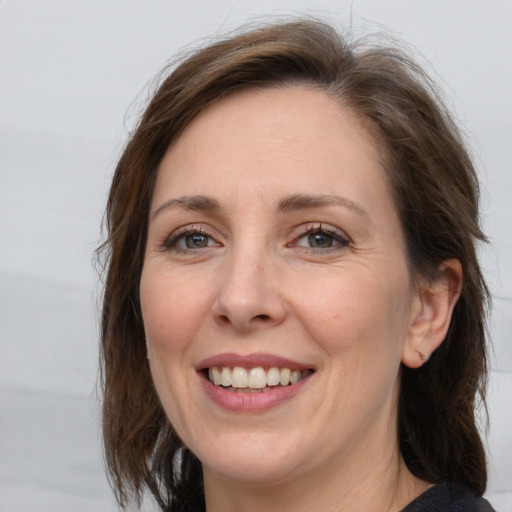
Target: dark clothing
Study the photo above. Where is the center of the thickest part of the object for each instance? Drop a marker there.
(448, 498)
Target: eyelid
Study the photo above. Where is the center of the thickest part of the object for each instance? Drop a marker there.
(319, 227)
(169, 241)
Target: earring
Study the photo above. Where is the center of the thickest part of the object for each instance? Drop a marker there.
(424, 357)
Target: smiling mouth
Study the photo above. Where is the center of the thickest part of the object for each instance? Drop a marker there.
(254, 380)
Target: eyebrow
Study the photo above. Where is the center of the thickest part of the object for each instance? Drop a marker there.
(286, 204)
(304, 201)
(196, 203)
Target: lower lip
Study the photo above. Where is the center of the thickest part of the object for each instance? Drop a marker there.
(252, 402)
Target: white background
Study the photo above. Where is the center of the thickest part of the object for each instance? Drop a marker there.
(69, 70)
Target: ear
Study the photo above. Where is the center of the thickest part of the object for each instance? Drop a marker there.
(431, 313)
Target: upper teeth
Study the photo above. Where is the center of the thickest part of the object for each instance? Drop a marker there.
(255, 378)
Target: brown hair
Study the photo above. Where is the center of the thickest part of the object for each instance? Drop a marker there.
(435, 189)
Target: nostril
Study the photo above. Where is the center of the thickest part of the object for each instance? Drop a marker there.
(224, 319)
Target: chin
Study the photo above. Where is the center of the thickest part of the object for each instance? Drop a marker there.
(252, 459)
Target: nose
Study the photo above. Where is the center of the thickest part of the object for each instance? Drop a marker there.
(249, 295)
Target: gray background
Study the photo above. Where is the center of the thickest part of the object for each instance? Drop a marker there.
(69, 70)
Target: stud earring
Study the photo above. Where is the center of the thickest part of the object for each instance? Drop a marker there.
(424, 357)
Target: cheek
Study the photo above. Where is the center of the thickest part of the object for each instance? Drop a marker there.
(172, 310)
(354, 312)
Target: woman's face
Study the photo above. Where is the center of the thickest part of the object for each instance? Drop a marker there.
(275, 262)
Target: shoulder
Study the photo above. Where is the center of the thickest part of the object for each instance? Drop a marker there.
(448, 498)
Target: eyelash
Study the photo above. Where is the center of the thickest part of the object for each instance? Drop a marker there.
(339, 240)
(171, 242)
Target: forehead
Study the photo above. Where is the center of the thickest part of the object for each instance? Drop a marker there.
(274, 139)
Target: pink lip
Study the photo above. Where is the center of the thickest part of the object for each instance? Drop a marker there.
(251, 402)
(251, 361)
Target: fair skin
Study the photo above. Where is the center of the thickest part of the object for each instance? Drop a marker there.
(274, 242)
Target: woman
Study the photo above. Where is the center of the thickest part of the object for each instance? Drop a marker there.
(293, 315)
